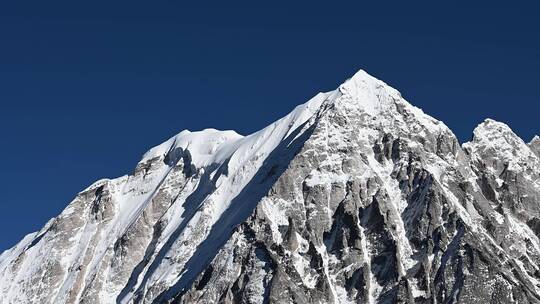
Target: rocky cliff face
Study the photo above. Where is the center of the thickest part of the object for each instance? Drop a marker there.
(354, 197)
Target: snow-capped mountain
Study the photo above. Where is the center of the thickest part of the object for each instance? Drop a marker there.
(354, 197)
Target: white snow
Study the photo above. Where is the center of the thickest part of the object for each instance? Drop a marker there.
(206, 147)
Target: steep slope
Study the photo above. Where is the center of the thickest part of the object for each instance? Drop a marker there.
(354, 197)
(383, 206)
(136, 232)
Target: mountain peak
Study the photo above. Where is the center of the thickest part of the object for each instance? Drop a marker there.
(496, 143)
(361, 76)
(492, 132)
(364, 91)
(205, 147)
(535, 145)
(355, 196)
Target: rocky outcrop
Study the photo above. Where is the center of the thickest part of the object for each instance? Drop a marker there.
(535, 145)
(355, 197)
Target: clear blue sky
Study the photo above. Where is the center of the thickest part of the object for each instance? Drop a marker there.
(86, 87)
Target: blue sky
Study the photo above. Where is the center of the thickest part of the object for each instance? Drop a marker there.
(87, 87)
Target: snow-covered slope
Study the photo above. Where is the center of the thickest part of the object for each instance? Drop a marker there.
(355, 196)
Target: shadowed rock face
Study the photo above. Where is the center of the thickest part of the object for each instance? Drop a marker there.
(354, 197)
